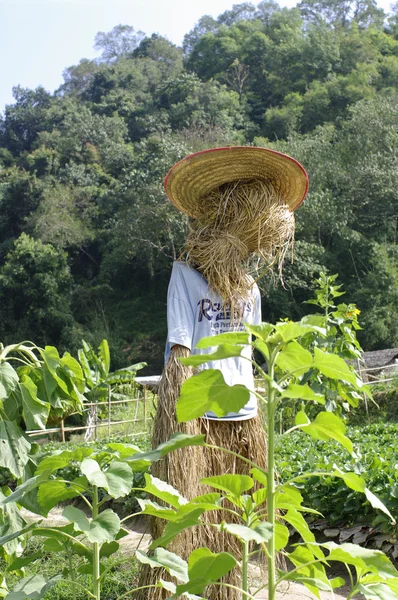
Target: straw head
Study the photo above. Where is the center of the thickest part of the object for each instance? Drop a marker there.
(194, 177)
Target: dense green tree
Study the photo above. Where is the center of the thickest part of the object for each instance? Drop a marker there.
(117, 43)
(35, 293)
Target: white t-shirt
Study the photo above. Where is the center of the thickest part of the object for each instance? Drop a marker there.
(194, 312)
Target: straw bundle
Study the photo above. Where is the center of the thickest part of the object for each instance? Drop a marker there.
(236, 221)
(178, 468)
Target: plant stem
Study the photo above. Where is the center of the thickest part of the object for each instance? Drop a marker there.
(96, 551)
(72, 573)
(245, 561)
(271, 477)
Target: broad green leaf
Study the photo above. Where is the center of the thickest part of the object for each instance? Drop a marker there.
(174, 564)
(377, 503)
(234, 337)
(333, 366)
(288, 496)
(261, 347)
(117, 479)
(260, 496)
(14, 448)
(352, 480)
(259, 534)
(363, 558)
(8, 380)
(156, 510)
(9, 537)
(77, 517)
(224, 351)
(34, 411)
(32, 588)
(11, 521)
(109, 548)
(104, 355)
(233, 484)
(310, 582)
(205, 567)
(281, 536)
(104, 528)
(262, 331)
(301, 557)
(326, 426)
(173, 528)
(50, 493)
(292, 331)
(210, 498)
(377, 591)
(294, 359)
(58, 461)
(208, 391)
(140, 460)
(296, 519)
(303, 392)
(24, 488)
(164, 491)
(259, 476)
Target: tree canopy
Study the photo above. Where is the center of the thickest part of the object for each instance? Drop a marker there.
(87, 236)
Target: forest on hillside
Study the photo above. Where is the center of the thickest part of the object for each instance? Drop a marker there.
(87, 236)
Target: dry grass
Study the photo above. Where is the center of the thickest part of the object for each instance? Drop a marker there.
(236, 222)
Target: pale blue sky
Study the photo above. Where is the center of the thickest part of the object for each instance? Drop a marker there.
(40, 38)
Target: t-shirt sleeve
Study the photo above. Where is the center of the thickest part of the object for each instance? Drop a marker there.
(257, 318)
(180, 318)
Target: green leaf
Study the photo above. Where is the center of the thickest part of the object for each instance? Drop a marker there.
(259, 534)
(224, 351)
(11, 521)
(303, 392)
(77, 517)
(326, 426)
(233, 484)
(8, 380)
(164, 491)
(208, 391)
(104, 355)
(288, 496)
(24, 488)
(104, 528)
(281, 536)
(32, 588)
(204, 568)
(364, 559)
(294, 359)
(259, 476)
(156, 510)
(262, 331)
(293, 331)
(52, 492)
(9, 537)
(108, 549)
(14, 448)
(58, 461)
(296, 519)
(182, 521)
(174, 564)
(234, 337)
(377, 503)
(139, 460)
(333, 366)
(377, 591)
(117, 479)
(34, 411)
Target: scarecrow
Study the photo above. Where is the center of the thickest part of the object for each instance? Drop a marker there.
(240, 201)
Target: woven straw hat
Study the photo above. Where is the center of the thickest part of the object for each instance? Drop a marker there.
(196, 175)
